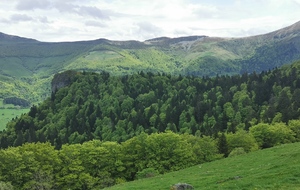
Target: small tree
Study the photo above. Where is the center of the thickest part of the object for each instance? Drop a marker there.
(223, 145)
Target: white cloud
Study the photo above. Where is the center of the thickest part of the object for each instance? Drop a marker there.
(95, 23)
(20, 18)
(57, 20)
(32, 4)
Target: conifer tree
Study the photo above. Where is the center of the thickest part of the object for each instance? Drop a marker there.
(223, 145)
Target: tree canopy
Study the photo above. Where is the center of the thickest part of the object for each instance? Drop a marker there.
(117, 108)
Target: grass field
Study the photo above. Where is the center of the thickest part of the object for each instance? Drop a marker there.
(7, 112)
(277, 168)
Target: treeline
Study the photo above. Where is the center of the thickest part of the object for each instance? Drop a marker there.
(17, 101)
(97, 164)
(117, 108)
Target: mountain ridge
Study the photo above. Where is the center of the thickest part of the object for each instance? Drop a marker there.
(27, 65)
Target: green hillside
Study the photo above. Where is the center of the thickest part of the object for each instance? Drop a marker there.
(27, 66)
(97, 130)
(275, 168)
(86, 106)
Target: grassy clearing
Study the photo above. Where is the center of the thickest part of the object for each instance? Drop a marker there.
(276, 168)
(7, 115)
(102, 55)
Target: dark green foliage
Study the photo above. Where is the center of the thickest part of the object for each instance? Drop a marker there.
(16, 101)
(222, 145)
(115, 108)
(272, 55)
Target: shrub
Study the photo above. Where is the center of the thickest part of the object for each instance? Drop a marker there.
(146, 173)
(237, 151)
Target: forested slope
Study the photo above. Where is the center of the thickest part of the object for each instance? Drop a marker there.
(116, 108)
(97, 130)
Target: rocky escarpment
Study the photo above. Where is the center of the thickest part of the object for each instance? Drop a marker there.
(63, 79)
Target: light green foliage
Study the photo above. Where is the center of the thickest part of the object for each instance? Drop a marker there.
(276, 168)
(163, 152)
(294, 125)
(237, 151)
(6, 186)
(29, 166)
(228, 110)
(204, 148)
(168, 152)
(268, 135)
(96, 164)
(241, 139)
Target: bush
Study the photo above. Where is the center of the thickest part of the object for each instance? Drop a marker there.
(146, 173)
(237, 151)
(241, 139)
(268, 135)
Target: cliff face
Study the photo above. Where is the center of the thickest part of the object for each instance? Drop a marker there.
(63, 79)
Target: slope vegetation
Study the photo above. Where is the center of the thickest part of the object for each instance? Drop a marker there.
(275, 168)
(84, 106)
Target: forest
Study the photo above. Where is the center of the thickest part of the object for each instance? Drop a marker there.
(101, 130)
(117, 108)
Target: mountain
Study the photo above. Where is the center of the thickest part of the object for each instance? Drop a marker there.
(27, 65)
(4, 38)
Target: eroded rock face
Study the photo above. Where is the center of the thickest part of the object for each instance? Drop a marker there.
(63, 79)
(181, 186)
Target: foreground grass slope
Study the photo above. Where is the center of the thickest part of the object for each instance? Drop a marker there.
(273, 168)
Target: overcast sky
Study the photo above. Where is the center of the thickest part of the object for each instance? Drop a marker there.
(73, 20)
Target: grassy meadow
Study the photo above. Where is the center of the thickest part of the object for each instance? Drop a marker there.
(275, 168)
(8, 112)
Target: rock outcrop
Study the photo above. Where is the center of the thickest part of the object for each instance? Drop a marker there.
(181, 186)
(63, 79)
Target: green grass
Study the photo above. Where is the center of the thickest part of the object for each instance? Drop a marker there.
(102, 55)
(276, 168)
(7, 115)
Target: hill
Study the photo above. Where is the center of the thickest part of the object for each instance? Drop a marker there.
(275, 168)
(27, 65)
(85, 106)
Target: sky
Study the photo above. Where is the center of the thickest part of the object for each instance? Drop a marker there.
(76, 20)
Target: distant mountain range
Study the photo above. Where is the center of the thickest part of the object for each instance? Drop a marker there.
(27, 65)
